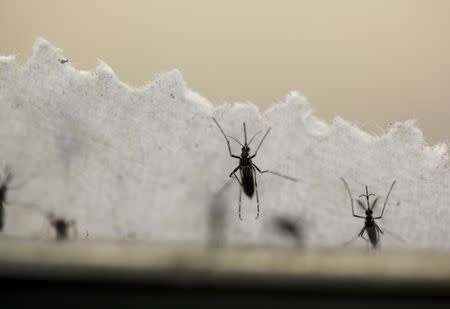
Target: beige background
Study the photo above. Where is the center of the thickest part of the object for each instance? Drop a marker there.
(371, 62)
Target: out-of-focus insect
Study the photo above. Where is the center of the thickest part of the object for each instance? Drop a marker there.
(370, 227)
(247, 168)
(4, 187)
(62, 61)
(289, 227)
(61, 226)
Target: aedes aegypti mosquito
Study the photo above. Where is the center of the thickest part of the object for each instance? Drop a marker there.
(370, 227)
(247, 168)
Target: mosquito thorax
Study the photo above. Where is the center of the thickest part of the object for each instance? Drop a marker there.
(245, 151)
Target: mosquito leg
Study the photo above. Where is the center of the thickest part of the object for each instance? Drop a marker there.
(275, 173)
(224, 135)
(234, 171)
(257, 197)
(362, 232)
(379, 229)
(240, 196)
(2, 217)
(240, 184)
(386, 200)
(259, 170)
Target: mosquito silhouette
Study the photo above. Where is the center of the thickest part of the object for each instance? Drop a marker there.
(61, 226)
(370, 226)
(247, 168)
(4, 187)
(7, 185)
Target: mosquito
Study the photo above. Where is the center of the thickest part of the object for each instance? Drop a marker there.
(370, 227)
(4, 187)
(62, 226)
(289, 227)
(247, 168)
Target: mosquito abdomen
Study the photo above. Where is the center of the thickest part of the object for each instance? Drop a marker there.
(247, 180)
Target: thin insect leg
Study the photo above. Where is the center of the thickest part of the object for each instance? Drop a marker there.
(237, 178)
(257, 196)
(240, 183)
(235, 140)
(348, 242)
(351, 198)
(379, 229)
(260, 143)
(234, 171)
(240, 198)
(2, 217)
(275, 173)
(226, 138)
(362, 232)
(385, 202)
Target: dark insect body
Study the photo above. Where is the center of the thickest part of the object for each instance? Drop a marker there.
(62, 61)
(371, 228)
(247, 168)
(289, 227)
(61, 226)
(4, 186)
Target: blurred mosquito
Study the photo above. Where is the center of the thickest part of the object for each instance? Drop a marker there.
(289, 227)
(247, 168)
(61, 226)
(63, 60)
(370, 227)
(4, 187)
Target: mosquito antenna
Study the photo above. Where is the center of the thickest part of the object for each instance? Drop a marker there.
(245, 134)
(387, 197)
(220, 128)
(262, 140)
(235, 140)
(253, 137)
(349, 193)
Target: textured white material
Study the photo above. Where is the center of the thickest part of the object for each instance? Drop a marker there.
(147, 163)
